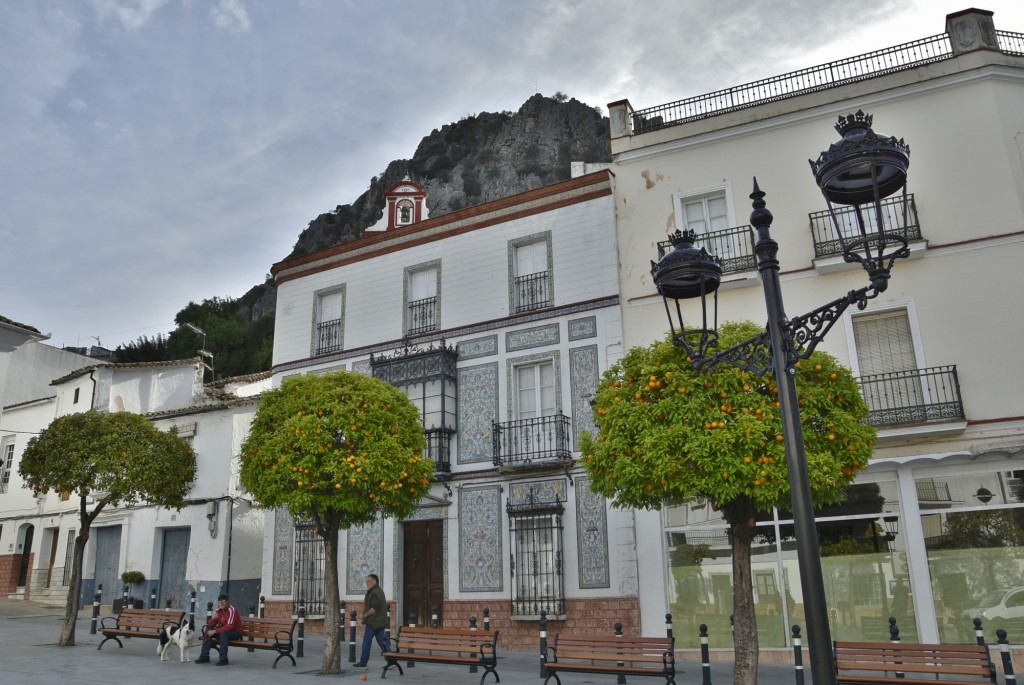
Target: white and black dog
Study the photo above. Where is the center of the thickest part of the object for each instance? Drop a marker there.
(176, 635)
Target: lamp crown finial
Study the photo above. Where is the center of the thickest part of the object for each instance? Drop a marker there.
(852, 121)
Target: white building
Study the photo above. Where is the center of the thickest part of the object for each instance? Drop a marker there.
(940, 507)
(497, 320)
(211, 546)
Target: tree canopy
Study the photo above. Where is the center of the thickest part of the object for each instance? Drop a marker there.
(116, 459)
(340, 449)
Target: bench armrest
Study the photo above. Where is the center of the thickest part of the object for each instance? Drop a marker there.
(488, 647)
(103, 622)
(287, 637)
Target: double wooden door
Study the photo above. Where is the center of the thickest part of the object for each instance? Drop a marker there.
(423, 565)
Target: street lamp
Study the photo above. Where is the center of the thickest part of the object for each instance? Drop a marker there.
(858, 171)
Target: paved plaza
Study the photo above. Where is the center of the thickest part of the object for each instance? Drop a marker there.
(29, 632)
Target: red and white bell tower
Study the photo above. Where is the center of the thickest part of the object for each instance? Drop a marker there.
(406, 204)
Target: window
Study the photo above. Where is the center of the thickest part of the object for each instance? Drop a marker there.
(330, 311)
(535, 390)
(707, 214)
(885, 353)
(69, 557)
(310, 570)
(422, 307)
(6, 462)
(75, 401)
(530, 261)
(537, 583)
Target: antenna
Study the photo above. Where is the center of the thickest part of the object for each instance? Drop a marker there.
(202, 350)
(96, 338)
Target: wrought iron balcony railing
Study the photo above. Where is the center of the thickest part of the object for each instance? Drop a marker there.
(734, 245)
(913, 397)
(526, 441)
(439, 448)
(328, 336)
(1010, 43)
(422, 316)
(930, 491)
(826, 242)
(531, 292)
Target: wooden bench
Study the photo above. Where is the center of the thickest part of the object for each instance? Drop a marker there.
(639, 656)
(264, 633)
(138, 623)
(444, 646)
(906, 663)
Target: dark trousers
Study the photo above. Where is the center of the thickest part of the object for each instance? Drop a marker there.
(371, 633)
(204, 652)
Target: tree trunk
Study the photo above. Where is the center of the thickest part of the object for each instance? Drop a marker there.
(741, 517)
(332, 650)
(67, 631)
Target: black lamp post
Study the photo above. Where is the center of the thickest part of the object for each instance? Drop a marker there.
(859, 170)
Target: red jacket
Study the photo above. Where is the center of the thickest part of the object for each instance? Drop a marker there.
(224, 620)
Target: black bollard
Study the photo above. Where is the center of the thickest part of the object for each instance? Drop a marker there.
(979, 634)
(705, 656)
(487, 618)
(167, 604)
(543, 643)
(352, 637)
(472, 626)
(192, 610)
(252, 614)
(622, 677)
(209, 612)
(124, 598)
(894, 636)
(798, 656)
(387, 628)
(95, 611)
(341, 629)
(412, 624)
(300, 642)
(263, 607)
(732, 628)
(1004, 650)
(668, 625)
(152, 597)
(433, 616)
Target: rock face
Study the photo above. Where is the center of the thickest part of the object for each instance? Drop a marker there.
(478, 159)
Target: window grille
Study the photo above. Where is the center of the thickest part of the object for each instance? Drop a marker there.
(535, 529)
(6, 463)
(310, 570)
(69, 557)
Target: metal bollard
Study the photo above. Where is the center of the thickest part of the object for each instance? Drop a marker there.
(152, 597)
(209, 612)
(668, 625)
(979, 634)
(1004, 650)
(412, 624)
(543, 643)
(798, 656)
(894, 636)
(341, 628)
(124, 598)
(302, 629)
(433, 616)
(487, 618)
(705, 656)
(167, 604)
(263, 607)
(472, 626)
(622, 676)
(95, 611)
(252, 614)
(732, 628)
(387, 628)
(192, 610)
(352, 637)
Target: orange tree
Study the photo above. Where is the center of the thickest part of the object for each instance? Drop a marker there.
(340, 450)
(106, 460)
(669, 434)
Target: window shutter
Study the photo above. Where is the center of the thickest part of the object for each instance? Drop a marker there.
(884, 343)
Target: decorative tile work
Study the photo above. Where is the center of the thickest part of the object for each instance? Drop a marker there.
(478, 409)
(362, 367)
(365, 555)
(583, 379)
(513, 362)
(532, 337)
(477, 347)
(592, 536)
(284, 542)
(580, 329)
(480, 558)
(543, 491)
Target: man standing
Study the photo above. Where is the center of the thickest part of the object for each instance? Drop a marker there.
(224, 625)
(375, 618)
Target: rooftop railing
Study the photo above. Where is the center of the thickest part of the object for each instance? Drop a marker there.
(1010, 43)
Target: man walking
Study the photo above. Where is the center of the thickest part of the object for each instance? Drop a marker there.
(375, 618)
(224, 625)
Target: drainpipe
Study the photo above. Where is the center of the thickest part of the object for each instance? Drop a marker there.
(231, 530)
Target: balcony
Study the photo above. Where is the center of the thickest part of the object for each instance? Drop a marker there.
(531, 292)
(735, 246)
(439, 449)
(529, 442)
(828, 249)
(328, 336)
(422, 316)
(913, 398)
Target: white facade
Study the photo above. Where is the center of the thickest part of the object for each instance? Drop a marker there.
(951, 314)
(522, 295)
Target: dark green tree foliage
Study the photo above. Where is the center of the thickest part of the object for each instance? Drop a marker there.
(144, 349)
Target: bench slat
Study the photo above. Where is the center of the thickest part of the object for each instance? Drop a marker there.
(862, 662)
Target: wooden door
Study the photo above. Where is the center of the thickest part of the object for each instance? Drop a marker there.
(423, 577)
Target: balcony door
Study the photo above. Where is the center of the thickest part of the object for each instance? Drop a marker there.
(423, 564)
(535, 399)
(885, 353)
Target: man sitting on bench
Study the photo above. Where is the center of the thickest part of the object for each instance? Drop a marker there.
(225, 625)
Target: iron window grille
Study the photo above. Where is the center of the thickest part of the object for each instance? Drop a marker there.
(899, 398)
(823, 232)
(310, 570)
(328, 336)
(531, 292)
(536, 562)
(422, 316)
(6, 464)
(522, 442)
(734, 245)
(69, 558)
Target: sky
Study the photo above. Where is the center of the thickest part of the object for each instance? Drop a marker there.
(157, 152)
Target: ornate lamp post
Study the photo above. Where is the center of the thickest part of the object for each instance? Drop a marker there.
(858, 171)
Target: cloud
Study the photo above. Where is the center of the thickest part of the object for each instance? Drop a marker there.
(131, 14)
(231, 16)
(77, 104)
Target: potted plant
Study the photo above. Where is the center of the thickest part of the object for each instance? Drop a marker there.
(134, 578)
